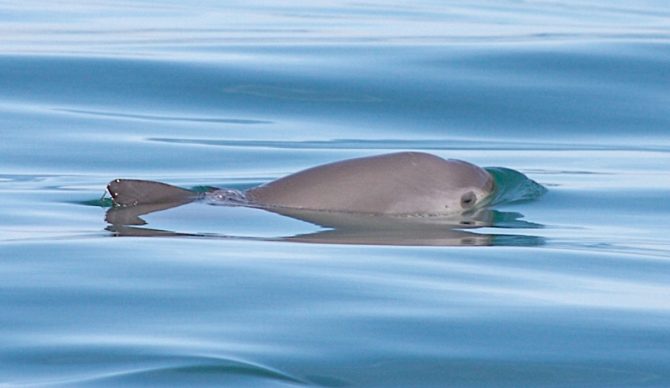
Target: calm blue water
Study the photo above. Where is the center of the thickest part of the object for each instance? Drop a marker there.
(569, 290)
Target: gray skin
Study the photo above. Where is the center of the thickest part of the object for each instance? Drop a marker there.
(404, 183)
(397, 184)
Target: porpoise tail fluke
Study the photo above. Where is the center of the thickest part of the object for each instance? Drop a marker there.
(133, 192)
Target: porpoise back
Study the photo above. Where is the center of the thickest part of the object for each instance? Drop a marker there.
(404, 183)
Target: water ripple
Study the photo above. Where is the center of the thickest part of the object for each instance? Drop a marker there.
(404, 144)
(145, 117)
(201, 370)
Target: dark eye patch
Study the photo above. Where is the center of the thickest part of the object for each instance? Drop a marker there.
(468, 200)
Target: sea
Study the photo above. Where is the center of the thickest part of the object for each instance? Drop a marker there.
(566, 289)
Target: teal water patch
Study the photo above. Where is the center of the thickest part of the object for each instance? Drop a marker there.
(513, 186)
(103, 201)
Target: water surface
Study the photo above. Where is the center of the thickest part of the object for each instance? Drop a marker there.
(567, 290)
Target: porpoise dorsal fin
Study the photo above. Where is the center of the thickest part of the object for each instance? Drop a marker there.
(133, 192)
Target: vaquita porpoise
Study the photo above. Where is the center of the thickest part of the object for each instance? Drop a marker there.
(396, 184)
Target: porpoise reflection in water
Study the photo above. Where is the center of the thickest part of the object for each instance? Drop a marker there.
(405, 198)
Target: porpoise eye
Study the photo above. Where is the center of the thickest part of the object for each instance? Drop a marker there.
(468, 200)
